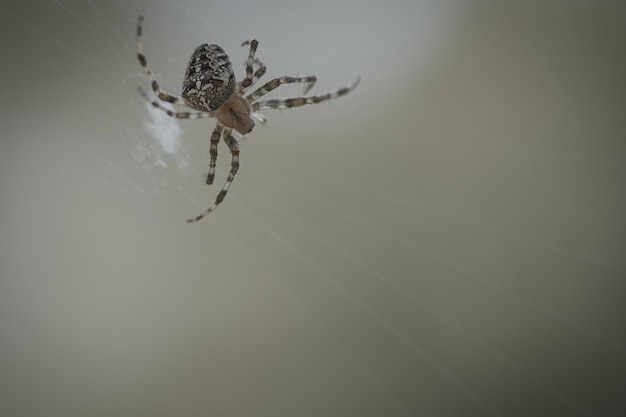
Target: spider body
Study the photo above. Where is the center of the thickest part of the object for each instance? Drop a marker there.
(236, 114)
(209, 80)
(210, 88)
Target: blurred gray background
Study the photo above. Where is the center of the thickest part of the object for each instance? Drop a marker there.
(447, 240)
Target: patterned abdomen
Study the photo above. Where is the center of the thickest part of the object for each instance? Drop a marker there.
(209, 80)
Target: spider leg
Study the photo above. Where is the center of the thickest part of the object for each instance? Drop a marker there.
(259, 118)
(234, 166)
(146, 68)
(252, 78)
(253, 45)
(286, 103)
(258, 73)
(310, 80)
(175, 115)
(215, 138)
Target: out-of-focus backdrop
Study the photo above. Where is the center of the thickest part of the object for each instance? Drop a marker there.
(447, 240)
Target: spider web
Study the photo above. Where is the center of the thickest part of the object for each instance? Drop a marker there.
(436, 241)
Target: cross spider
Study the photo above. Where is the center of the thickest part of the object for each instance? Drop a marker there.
(210, 88)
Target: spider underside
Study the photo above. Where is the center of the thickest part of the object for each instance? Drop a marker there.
(211, 90)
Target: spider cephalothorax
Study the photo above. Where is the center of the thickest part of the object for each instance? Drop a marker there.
(210, 88)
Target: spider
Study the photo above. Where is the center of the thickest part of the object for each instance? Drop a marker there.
(210, 88)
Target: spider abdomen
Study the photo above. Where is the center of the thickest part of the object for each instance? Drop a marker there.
(210, 79)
